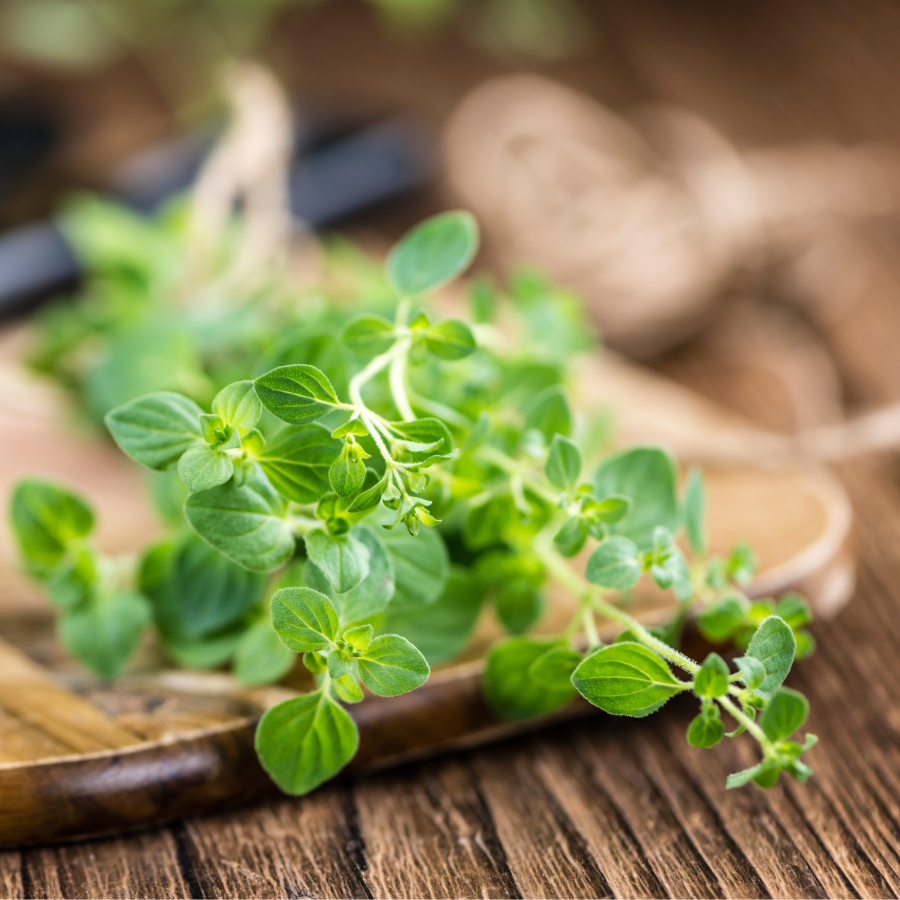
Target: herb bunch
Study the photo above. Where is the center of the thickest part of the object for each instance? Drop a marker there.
(364, 510)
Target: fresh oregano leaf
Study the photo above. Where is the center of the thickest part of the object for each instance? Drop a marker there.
(614, 564)
(359, 637)
(304, 741)
(753, 672)
(347, 472)
(238, 405)
(304, 619)
(626, 679)
(248, 524)
(519, 605)
(339, 664)
(773, 644)
(391, 665)
(421, 568)
(549, 413)
(155, 430)
(296, 461)
(695, 511)
(720, 622)
(424, 441)
(346, 689)
(201, 468)
(712, 679)
(571, 538)
(450, 339)
(706, 730)
(260, 656)
(344, 560)
(369, 335)
(296, 394)
(564, 462)
(554, 669)
(510, 689)
(784, 714)
(433, 253)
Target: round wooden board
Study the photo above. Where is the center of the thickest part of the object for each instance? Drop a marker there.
(81, 758)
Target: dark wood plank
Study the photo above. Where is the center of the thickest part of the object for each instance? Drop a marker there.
(139, 866)
(11, 885)
(427, 833)
(290, 848)
(544, 851)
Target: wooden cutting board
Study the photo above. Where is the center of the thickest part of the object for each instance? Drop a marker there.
(79, 757)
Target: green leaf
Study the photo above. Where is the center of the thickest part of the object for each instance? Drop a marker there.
(155, 430)
(238, 405)
(372, 594)
(510, 689)
(296, 461)
(626, 679)
(344, 560)
(305, 741)
(203, 653)
(347, 472)
(248, 524)
(765, 774)
(609, 510)
(741, 564)
(46, 518)
(486, 523)
(315, 662)
(359, 637)
(369, 335)
(304, 619)
(564, 462)
(421, 568)
(705, 731)
(519, 605)
(202, 468)
(674, 573)
(753, 672)
(614, 564)
(773, 644)
(103, 633)
(260, 657)
(647, 476)
(712, 679)
(369, 498)
(549, 413)
(450, 339)
(433, 253)
(391, 665)
(206, 591)
(441, 630)
(347, 689)
(794, 609)
(423, 441)
(785, 713)
(695, 511)
(720, 622)
(571, 538)
(340, 664)
(296, 394)
(554, 669)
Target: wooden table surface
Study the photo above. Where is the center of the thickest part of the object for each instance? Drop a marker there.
(610, 807)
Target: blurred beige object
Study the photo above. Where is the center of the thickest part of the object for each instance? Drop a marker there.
(653, 219)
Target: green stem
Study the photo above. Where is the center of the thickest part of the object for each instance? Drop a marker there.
(740, 716)
(499, 459)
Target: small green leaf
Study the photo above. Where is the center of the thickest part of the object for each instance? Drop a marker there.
(359, 637)
(785, 713)
(486, 523)
(695, 511)
(712, 679)
(248, 524)
(571, 538)
(423, 441)
(369, 498)
(554, 669)
(549, 413)
(720, 622)
(238, 405)
(421, 568)
(609, 510)
(564, 462)
(296, 394)
(647, 476)
(304, 741)
(391, 665)
(347, 689)
(519, 605)
(103, 633)
(450, 339)
(296, 461)
(304, 619)
(344, 560)
(260, 657)
(794, 609)
(705, 731)
(626, 679)
(742, 564)
(155, 430)
(355, 427)
(347, 472)
(46, 518)
(211, 428)
(753, 672)
(773, 644)
(433, 253)
(510, 689)
(315, 662)
(614, 564)
(202, 468)
(339, 664)
(369, 335)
